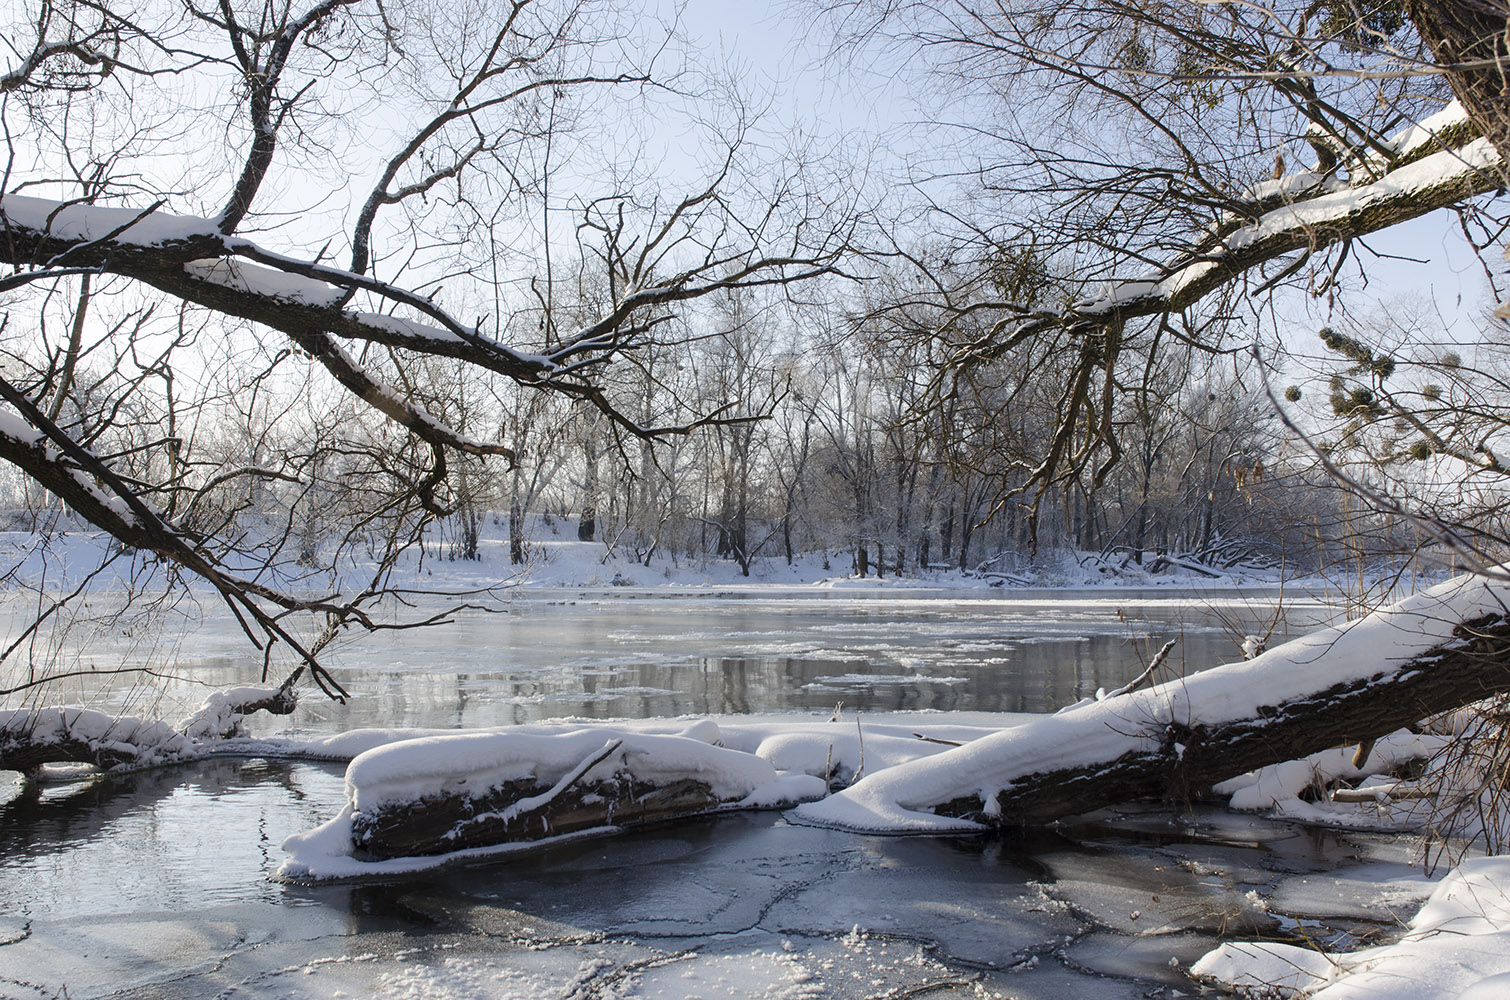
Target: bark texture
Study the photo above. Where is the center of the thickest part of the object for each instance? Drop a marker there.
(1470, 40)
(441, 824)
(1187, 761)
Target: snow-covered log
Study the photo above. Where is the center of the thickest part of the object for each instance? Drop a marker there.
(31, 737)
(451, 793)
(1435, 651)
(446, 794)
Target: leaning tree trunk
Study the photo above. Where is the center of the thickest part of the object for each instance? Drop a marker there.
(1187, 759)
(1437, 651)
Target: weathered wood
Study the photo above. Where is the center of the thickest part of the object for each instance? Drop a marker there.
(1471, 41)
(441, 824)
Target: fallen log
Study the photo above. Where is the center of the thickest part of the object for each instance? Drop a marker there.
(32, 737)
(437, 795)
(1436, 651)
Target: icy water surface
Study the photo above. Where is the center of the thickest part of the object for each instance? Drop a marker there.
(155, 885)
(640, 654)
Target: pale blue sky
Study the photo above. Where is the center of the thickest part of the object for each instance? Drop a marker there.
(768, 41)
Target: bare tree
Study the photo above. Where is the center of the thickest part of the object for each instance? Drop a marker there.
(1175, 165)
(180, 171)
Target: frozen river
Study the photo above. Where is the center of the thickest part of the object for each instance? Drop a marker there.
(155, 884)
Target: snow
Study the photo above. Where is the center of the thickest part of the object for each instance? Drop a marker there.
(218, 717)
(796, 751)
(147, 741)
(406, 328)
(243, 276)
(898, 799)
(1430, 171)
(475, 762)
(1246, 965)
(325, 853)
(1289, 186)
(903, 776)
(1457, 946)
(15, 427)
(1418, 134)
(93, 222)
(1315, 202)
(1278, 788)
(771, 763)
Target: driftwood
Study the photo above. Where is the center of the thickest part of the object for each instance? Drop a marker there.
(587, 796)
(441, 824)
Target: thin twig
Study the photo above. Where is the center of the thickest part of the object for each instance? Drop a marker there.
(1141, 679)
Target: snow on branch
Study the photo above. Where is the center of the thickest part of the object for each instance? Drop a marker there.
(32, 737)
(189, 259)
(1436, 650)
(1326, 216)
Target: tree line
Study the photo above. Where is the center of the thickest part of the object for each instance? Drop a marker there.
(287, 281)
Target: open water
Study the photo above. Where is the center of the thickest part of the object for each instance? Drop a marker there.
(155, 884)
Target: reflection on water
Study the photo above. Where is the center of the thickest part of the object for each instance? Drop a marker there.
(663, 655)
(155, 884)
(600, 655)
(158, 840)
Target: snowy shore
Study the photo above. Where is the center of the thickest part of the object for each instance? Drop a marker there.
(806, 745)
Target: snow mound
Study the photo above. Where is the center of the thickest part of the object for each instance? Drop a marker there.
(1456, 948)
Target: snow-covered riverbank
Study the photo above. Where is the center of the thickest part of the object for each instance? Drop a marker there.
(991, 627)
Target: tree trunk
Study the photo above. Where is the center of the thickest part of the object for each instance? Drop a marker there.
(1469, 38)
(1188, 760)
(587, 523)
(516, 531)
(1435, 652)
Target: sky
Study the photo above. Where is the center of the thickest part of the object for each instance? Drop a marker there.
(1424, 260)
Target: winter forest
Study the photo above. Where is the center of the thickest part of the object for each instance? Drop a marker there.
(492, 426)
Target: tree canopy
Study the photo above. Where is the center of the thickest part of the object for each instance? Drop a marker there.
(371, 183)
(363, 217)
(1164, 169)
